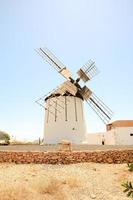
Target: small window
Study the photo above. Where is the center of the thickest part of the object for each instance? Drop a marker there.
(131, 134)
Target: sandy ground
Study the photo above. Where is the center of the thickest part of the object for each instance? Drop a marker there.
(84, 181)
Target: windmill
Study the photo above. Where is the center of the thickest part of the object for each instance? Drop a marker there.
(64, 110)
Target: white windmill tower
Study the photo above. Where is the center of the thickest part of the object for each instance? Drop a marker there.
(64, 110)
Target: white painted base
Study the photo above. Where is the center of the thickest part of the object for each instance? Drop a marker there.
(66, 122)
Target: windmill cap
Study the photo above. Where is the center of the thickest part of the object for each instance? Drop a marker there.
(65, 94)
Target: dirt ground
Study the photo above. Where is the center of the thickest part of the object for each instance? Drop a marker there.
(82, 147)
(84, 181)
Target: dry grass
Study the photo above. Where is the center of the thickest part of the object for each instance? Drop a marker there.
(14, 192)
(60, 182)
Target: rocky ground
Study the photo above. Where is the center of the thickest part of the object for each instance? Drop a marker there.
(84, 181)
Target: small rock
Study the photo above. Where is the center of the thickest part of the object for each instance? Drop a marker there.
(92, 196)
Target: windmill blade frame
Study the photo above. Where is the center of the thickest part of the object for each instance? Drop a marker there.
(103, 111)
(88, 71)
(47, 55)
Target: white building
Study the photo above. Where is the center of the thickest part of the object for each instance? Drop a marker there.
(118, 133)
(122, 131)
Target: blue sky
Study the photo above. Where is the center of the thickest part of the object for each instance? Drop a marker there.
(75, 31)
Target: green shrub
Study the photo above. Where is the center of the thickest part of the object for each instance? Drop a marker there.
(5, 137)
(128, 189)
(130, 167)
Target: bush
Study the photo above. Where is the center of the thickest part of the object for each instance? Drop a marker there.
(129, 189)
(5, 137)
(130, 167)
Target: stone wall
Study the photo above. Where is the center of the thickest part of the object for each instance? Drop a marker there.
(57, 157)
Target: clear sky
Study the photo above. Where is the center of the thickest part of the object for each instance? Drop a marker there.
(75, 31)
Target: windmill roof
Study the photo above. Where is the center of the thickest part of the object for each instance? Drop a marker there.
(65, 94)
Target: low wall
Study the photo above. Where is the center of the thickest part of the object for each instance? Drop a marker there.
(108, 156)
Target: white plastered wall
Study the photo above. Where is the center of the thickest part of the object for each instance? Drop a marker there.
(66, 122)
(116, 136)
(94, 138)
(110, 137)
(123, 137)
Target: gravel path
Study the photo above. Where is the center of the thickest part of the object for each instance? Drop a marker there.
(85, 181)
(55, 147)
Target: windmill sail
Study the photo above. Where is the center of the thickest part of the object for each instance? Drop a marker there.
(52, 60)
(100, 108)
(88, 71)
